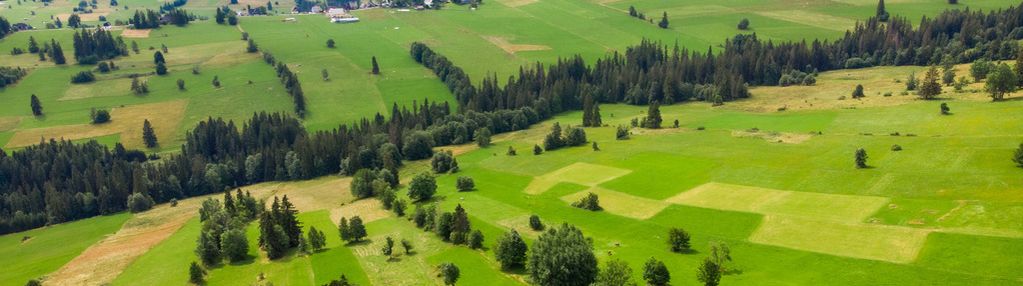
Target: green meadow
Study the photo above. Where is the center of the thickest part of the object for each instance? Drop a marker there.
(779, 187)
(34, 253)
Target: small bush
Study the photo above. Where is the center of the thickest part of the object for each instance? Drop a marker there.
(465, 184)
(589, 202)
(535, 223)
(896, 147)
(83, 77)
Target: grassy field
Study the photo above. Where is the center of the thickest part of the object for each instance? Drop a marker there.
(35, 253)
(771, 176)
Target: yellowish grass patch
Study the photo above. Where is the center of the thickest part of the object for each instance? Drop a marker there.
(367, 209)
(579, 173)
(811, 18)
(127, 121)
(9, 122)
(319, 194)
(857, 240)
(841, 208)
(105, 260)
(97, 89)
(136, 33)
(774, 137)
(621, 203)
(510, 48)
(517, 3)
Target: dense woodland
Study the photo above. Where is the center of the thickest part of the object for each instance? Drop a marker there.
(58, 181)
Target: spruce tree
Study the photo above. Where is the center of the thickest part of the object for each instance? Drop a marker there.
(357, 230)
(158, 58)
(196, 274)
(148, 134)
(37, 108)
(930, 88)
(376, 67)
(881, 13)
(57, 53)
(861, 158)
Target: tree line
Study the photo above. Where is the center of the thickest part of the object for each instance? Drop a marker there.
(651, 72)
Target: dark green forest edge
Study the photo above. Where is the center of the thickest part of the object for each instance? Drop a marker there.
(60, 181)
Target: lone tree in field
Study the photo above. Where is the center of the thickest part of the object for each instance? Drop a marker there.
(100, 116)
(449, 272)
(325, 75)
(655, 273)
(465, 184)
(678, 239)
(1018, 156)
(376, 67)
(861, 158)
(388, 247)
(422, 187)
(664, 21)
(216, 81)
(510, 250)
(158, 58)
(535, 223)
(858, 92)
(944, 109)
(181, 84)
(589, 202)
(562, 256)
(882, 13)
(1002, 80)
(537, 150)
(615, 273)
(743, 24)
(709, 273)
(330, 43)
(930, 88)
(148, 134)
(37, 108)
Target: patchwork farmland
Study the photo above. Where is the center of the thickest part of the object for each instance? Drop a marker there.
(415, 146)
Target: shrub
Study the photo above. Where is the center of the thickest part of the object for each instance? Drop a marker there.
(896, 147)
(535, 223)
(83, 77)
(100, 116)
(465, 184)
(589, 202)
(138, 202)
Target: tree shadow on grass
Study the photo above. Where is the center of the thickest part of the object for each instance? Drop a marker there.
(363, 241)
(516, 271)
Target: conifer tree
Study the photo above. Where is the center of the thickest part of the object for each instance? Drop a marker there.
(376, 67)
(37, 108)
(149, 135)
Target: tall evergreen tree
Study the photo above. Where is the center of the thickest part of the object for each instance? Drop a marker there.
(510, 250)
(57, 53)
(664, 21)
(376, 67)
(37, 108)
(882, 12)
(930, 88)
(148, 134)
